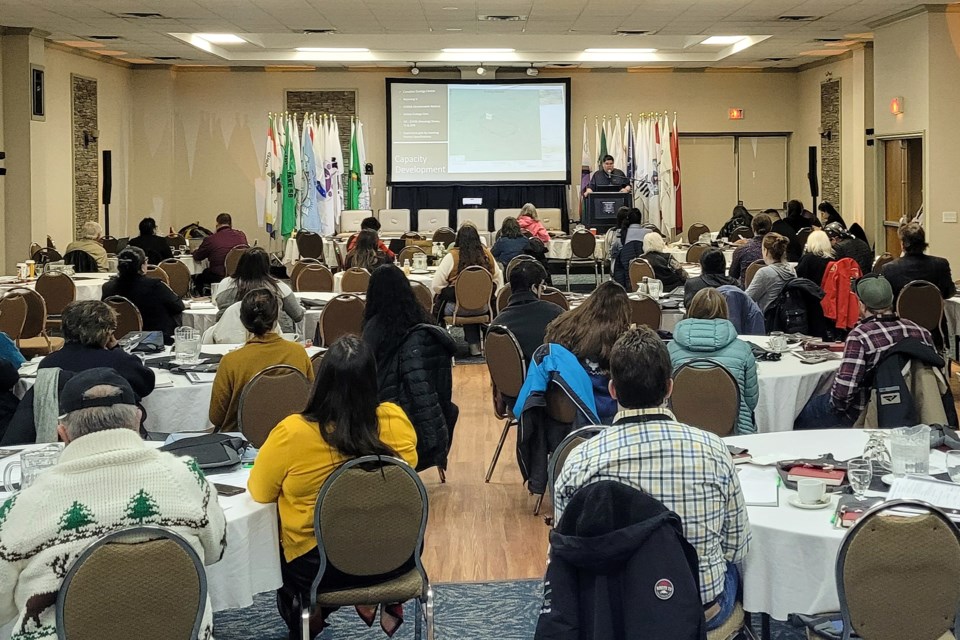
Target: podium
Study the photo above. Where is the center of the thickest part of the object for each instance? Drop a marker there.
(600, 209)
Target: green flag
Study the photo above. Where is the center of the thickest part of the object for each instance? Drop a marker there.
(353, 184)
(289, 194)
(603, 145)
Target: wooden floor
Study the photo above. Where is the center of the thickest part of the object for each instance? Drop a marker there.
(478, 531)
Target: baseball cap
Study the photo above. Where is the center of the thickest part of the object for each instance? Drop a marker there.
(835, 230)
(72, 397)
(874, 292)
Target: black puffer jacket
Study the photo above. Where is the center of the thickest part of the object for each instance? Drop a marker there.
(857, 249)
(417, 377)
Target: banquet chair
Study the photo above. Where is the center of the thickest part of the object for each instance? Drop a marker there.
(176, 240)
(507, 373)
(559, 456)
(695, 231)
(34, 247)
(550, 218)
(109, 244)
(514, 262)
(315, 361)
(922, 302)
(423, 295)
(739, 233)
(645, 311)
(407, 253)
(45, 254)
(479, 218)
(297, 268)
(121, 587)
(13, 313)
(803, 234)
(58, 290)
(473, 290)
(355, 280)
(882, 262)
(445, 236)
(561, 410)
(583, 246)
(128, 316)
(394, 220)
(499, 215)
(350, 220)
(312, 277)
(158, 274)
(178, 276)
(694, 253)
(310, 245)
(706, 395)
(341, 316)
(639, 269)
(351, 509)
(556, 297)
(233, 258)
(429, 220)
(751, 271)
(33, 340)
(270, 396)
(338, 254)
(901, 557)
(502, 298)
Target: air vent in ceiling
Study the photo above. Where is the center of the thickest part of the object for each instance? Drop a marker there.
(562, 65)
(314, 32)
(488, 18)
(775, 59)
(828, 39)
(103, 37)
(798, 18)
(632, 32)
(136, 15)
(166, 58)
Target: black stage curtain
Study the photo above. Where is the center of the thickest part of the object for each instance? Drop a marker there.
(494, 197)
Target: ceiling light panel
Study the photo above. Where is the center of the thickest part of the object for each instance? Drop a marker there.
(221, 38)
(722, 40)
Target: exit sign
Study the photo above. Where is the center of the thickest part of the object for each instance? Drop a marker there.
(735, 114)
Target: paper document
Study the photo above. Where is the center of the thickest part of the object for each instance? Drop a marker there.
(201, 376)
(162, 379)
(761, 485)
(939, 493)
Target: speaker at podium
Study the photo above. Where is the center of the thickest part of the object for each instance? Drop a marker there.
(600, 209)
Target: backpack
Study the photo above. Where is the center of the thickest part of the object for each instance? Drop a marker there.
(790, 312)
(81, 261)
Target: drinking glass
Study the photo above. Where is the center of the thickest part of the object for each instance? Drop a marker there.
(31, 464)
(860, 473)
(876, 451)
(953, 465)
(910, 450)
(187, 345)
(654, 288)
(778, 341)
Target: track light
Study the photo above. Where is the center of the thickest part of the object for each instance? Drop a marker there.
(532, 70)
(481, 70)
(415, 71)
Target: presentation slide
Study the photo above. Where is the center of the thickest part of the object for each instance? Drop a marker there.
(478, 132)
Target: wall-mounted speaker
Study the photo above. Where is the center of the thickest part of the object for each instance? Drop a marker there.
(812, 173)
(107, 177)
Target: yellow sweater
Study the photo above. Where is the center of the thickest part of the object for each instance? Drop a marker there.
(238, 367)
(295, 461)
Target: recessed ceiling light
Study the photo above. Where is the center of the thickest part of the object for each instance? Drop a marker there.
(111, 53)
(481, 50)
(453, 29)
(451, 8)
(723, 40)
(625, 51)
(104, 37)
(332, 49)
(221, 38)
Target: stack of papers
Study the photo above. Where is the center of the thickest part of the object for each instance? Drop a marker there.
(760, 485)
(940, 493)
(162, 379)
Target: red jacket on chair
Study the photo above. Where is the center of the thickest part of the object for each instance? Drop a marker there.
(840, 303)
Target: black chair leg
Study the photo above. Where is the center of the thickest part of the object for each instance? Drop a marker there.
(536, 508)
(496, 454)
(443, 475)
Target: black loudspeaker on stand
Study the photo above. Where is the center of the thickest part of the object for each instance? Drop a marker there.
(812, 177)
(107, 190)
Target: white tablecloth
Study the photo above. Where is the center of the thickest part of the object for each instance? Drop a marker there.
(251, 563)
(204, 315)
(681, 254)
(89, 285)
(559, 248)
(194, 266)
(951, 310)
(425, 279)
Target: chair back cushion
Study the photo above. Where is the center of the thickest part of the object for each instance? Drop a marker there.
(350, 219)
(504, 360)
(445, 235)
(695, 231)
(175, 241)
(233, 258)
(646, 311)
(45, 255)
(128, 316)
(270, 396)
(310, 245)
(707, 396)
(639, 269)
(58, 290)
(563, 450)
(751, 271)
(35, 321)
(473, 289)
(559, 406)
(407, 253)
(921, 302)
(479, 217)
(429, 220)
(499, 215)
(503, 297)
(13, 313)
(881, 262)
(694, 253)
(582, 245)
(178, 276)
(556, 297)
(423, 295)
(157, 274)
(355, 280)
(394, 220)
(341, 316)
(312, 277)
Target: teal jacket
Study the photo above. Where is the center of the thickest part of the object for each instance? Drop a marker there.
(717, 340)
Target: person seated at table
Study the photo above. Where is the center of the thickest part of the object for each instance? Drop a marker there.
(154, 246)
(9, 377)
(344, 419)
(612, 235)
(630, 229)
(467, 251)
(817, 254)
(526, 315)
(665, 266)
(253, 272)
(688, 469)
(879, 329)
(770, 279)
(589, 331)
(90, 233)
(159, 306)
(258, 313)
(713, 273)
(789, 226)
(214, 250)
(103, 470)
(752, 249)
(915, 264)
(845, 245)
(510, 242)
(529, 221)
(414, 359)
(740, 217)
(374, 225)
(365, 253)
(705, 332)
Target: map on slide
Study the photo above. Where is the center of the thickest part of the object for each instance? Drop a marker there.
(499, 125)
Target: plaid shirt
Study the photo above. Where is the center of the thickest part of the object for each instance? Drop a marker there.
(689, 470)
(863, 349)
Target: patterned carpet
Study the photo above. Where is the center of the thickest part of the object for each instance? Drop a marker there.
(476, 611)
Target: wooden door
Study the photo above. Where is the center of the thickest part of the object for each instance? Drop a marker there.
(894, 178)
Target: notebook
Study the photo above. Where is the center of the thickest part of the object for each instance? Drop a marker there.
(760, 485)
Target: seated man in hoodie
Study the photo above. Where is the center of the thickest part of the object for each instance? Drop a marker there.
(713, 273)
(688, 469)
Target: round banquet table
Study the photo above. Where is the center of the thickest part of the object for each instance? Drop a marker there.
(790, 566)
(559, 248)
(251, 563)
(425, 279)
(192, 264)
(681, 254)
(89, 285)
(203, 315)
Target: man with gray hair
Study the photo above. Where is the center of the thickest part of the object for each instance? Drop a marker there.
(107, 479)
(90, 233)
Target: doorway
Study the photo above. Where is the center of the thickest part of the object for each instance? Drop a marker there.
(902, 187)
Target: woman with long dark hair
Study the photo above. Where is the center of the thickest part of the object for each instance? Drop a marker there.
(366, 252)
(467, 251)
(828, 213)
(343, 420)
(589, 332)
(413, 362)
(253, 272)
(159, 306)
(510, 242)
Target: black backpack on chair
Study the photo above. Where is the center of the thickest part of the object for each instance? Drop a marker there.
(797, 309)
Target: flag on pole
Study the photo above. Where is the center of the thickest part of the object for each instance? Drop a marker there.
(309, 206)
(631, 162)
(596, 138)
(338, 167)
(353, 181)
(585, 159)
(364, 178)
(602, 149)
(675, 158)
(667, 203)
(616, 145)
(288, 219)
(271, 171)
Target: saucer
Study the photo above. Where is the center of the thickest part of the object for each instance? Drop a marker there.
(419, 272)
(794, 501)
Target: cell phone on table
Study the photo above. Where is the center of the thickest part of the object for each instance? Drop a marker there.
(228, 490)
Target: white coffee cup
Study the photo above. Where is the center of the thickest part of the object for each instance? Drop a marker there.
(811, 490)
